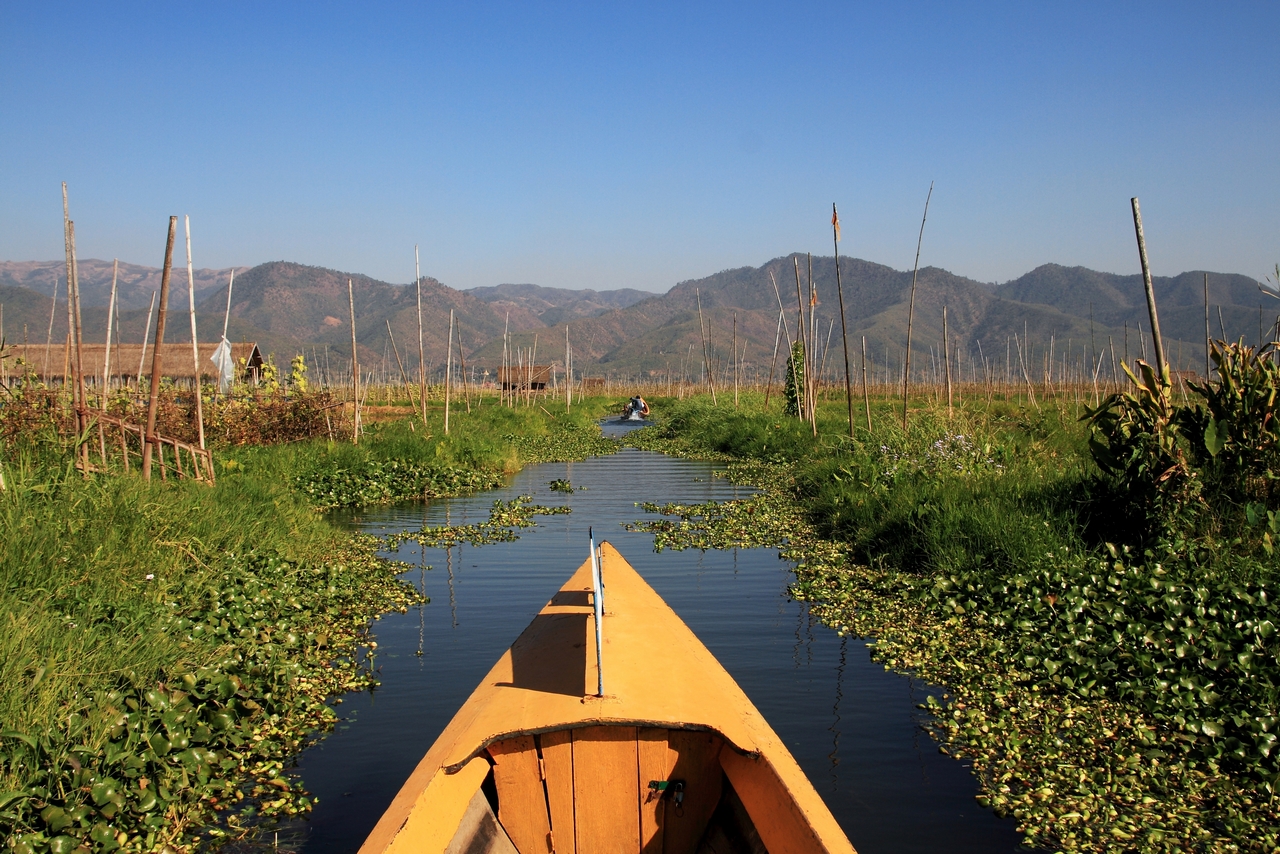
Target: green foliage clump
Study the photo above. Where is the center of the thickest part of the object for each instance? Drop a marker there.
(504, 517)
(566, 444)
(385, 481)
(794, 383)
(1204, 468)
(298, 373)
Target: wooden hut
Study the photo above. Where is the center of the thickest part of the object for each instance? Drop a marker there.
(54, 363)
(524, 377)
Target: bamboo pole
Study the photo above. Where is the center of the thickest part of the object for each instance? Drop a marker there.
(404, 377)
(777, 339)
(355, 366)
(911, 309)
(568, 372)
(462, 357)
(66, 235)
(111, 315)
(866, 396)
(151, 445)
(82, 407)
(1162, 367)
(422, 353)
(48, 341)
(533, 357)
(803, 336)
(786, 330)
(142, 360)
(448, 370)
(1093, 354)
(1208, 341)
(195, 344)
(506, 362)
(812, 376)
(735, 360)
(226, 316)
(706, 357)
(844, 329)
(946, 358)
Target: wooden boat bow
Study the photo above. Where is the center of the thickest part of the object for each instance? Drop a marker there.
(641, 769)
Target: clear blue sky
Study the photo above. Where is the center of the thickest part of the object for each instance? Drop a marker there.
(640, 144)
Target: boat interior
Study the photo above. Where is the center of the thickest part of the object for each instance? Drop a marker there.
(624, 789)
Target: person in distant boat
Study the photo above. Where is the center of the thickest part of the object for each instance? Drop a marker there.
(637, 407)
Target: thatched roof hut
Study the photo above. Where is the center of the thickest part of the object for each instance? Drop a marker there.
(175, 360)
(525, 376)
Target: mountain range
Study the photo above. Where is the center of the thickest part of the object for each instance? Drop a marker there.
(289, 308)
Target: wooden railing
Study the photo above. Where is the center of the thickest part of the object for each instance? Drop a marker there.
(198, 461)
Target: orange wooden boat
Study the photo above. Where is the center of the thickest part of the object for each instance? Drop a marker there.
(672, 758)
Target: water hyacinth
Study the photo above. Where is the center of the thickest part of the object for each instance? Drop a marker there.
(1107, 700)
(207, 745)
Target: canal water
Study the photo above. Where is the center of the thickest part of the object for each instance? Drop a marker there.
(855, 729)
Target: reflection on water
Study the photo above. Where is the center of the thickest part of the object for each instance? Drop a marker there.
(853, 727)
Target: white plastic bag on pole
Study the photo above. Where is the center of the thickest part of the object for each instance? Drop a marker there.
(226, 365)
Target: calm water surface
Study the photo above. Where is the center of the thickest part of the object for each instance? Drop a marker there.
(854, 728)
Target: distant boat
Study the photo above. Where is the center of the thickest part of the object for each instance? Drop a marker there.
(635, 409)
(672, 758)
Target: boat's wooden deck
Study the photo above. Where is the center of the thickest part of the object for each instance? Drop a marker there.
(591, 791)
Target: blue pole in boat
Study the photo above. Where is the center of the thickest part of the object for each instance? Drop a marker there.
(597, 589)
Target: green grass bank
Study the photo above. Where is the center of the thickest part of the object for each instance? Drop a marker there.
(168, 647)
(1113, 683)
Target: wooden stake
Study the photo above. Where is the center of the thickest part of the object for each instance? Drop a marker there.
(735, 360)
(811, 354)
(448, 371)
(67, 240)
(48, 341)
(533, 356)
(777, 339)
(462, 357)
(1093, 354)
(82, 412)
(142, 360)
(195, 344)
(803, 337)
(946, 358)
(1162, 368)
(866, 396)
(844, 330)
(355, 366)
(1208, 341)
(404, 377)
(911, 309)
(111, 315)
(422, 353)
(152, 444)
(706, 356)
(506, 362)
(226, 316)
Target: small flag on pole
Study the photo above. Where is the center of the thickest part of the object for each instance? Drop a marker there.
(835, 221)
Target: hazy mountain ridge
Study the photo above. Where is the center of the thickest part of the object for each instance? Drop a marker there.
(532, 306)
(134, 288)
(289, 308)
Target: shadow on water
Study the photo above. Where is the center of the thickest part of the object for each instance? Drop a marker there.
(855, 729)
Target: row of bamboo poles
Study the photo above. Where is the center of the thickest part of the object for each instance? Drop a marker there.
(88, 417)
